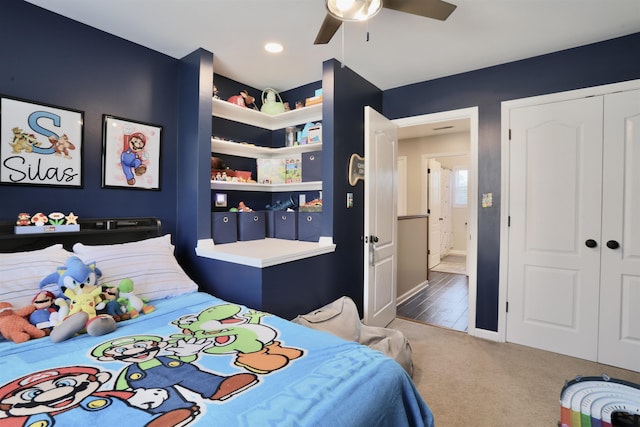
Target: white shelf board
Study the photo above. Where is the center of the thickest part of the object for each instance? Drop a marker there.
(257, 152)
(269, 188)
(229, 111)
(264, 252)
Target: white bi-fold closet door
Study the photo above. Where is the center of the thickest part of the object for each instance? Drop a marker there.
(574, 234)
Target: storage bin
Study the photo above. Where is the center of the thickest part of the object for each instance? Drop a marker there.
(309, 224)
(286, 225)
(224, 227)
(270, 223)
(251, 225)
(312, 166)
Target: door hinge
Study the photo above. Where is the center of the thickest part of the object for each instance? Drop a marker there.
(428, 170)
(507, 306)
(509, 221)
(509, 134)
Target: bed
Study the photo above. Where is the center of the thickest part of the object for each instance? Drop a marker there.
(190, 359)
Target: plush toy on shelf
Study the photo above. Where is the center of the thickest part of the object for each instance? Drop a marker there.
(78, 282)
(14, 324)
(134, 303)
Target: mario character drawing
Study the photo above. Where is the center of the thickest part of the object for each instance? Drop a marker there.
(70, 395)
(132, 156)
(149, 370)
(223, 332)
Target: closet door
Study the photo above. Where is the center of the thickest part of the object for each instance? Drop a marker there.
(555, 185)
(619, 339)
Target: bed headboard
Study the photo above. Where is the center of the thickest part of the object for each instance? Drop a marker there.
(93, 231)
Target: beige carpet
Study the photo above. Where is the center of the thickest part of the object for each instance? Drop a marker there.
(468, 381)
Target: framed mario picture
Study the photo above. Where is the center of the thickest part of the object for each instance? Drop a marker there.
(130, 154)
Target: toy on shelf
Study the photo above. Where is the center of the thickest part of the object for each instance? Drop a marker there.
(244, 100)
(41, 223)
(269, 103)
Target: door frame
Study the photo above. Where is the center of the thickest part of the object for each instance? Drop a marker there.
(506, 107)
(471, 114)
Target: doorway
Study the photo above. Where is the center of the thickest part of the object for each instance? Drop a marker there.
(423, 126)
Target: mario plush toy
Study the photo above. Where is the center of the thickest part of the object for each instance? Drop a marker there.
(14, 324)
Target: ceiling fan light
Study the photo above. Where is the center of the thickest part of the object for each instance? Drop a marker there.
(353, 10)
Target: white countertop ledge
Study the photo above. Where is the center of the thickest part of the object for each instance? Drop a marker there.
(264, 252)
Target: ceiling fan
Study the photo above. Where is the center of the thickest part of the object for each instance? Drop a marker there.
(360, 10)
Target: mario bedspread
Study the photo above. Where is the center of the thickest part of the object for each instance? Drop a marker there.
(198, 360)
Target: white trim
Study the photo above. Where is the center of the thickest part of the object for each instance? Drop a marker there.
(472, 247)
(404, 297)
(506, 107)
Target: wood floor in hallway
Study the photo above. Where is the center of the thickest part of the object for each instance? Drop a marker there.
(444, 302)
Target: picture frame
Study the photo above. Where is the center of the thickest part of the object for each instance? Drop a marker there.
(131, 154)
(40, 144)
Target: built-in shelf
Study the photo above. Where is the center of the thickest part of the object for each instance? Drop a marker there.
(229, 111)
(264, 252)
(258, 152)
(269, 188)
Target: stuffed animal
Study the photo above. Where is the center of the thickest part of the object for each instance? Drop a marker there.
(110, 295)
(45, 314)
(14, 324)
(134, 303)
(79, 281)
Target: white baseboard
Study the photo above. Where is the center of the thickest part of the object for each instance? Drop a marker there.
(457, 252)
(402, 298)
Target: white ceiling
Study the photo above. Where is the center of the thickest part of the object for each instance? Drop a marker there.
(403, 48)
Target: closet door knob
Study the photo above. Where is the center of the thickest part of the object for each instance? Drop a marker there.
(612, 244)
(591, 243)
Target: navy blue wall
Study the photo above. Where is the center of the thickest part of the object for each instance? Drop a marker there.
(50, 59)
(53, 60)
(597, 64)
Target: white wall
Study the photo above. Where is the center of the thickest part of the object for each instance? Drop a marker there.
(442, 147)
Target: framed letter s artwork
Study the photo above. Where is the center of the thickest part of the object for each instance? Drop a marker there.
(130, 154)
(40, 144)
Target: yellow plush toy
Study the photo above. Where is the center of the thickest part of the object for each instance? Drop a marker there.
(83, 301)
(14, 324)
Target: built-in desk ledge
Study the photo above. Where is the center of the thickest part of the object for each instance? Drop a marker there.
(264, 252)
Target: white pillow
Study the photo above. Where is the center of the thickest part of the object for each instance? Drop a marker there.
(149, 263)
(21, 273)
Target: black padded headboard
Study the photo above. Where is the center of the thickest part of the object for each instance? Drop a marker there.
(93, 231)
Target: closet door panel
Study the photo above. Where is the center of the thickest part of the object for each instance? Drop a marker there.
(555, 204)
(619, 337)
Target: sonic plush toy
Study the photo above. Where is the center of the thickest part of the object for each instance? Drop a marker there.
(79, 283)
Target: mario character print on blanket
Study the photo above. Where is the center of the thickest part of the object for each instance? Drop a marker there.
(71, 395)
(223, 331)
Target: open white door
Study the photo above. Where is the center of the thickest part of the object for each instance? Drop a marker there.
(435, 217)
(380, 218)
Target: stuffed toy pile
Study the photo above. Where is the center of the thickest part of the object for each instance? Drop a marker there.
(70, 302)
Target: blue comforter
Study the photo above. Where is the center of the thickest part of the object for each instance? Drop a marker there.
(198, 360)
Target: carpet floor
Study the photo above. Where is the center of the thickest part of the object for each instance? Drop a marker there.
(469, 381)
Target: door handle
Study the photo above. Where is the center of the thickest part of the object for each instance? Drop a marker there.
(612, 244)
(372, 250)
(590, 243)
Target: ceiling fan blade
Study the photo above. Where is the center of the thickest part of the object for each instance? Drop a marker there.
(435, 9)
(329, 27)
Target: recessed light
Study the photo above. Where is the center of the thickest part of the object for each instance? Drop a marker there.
(273, 47)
